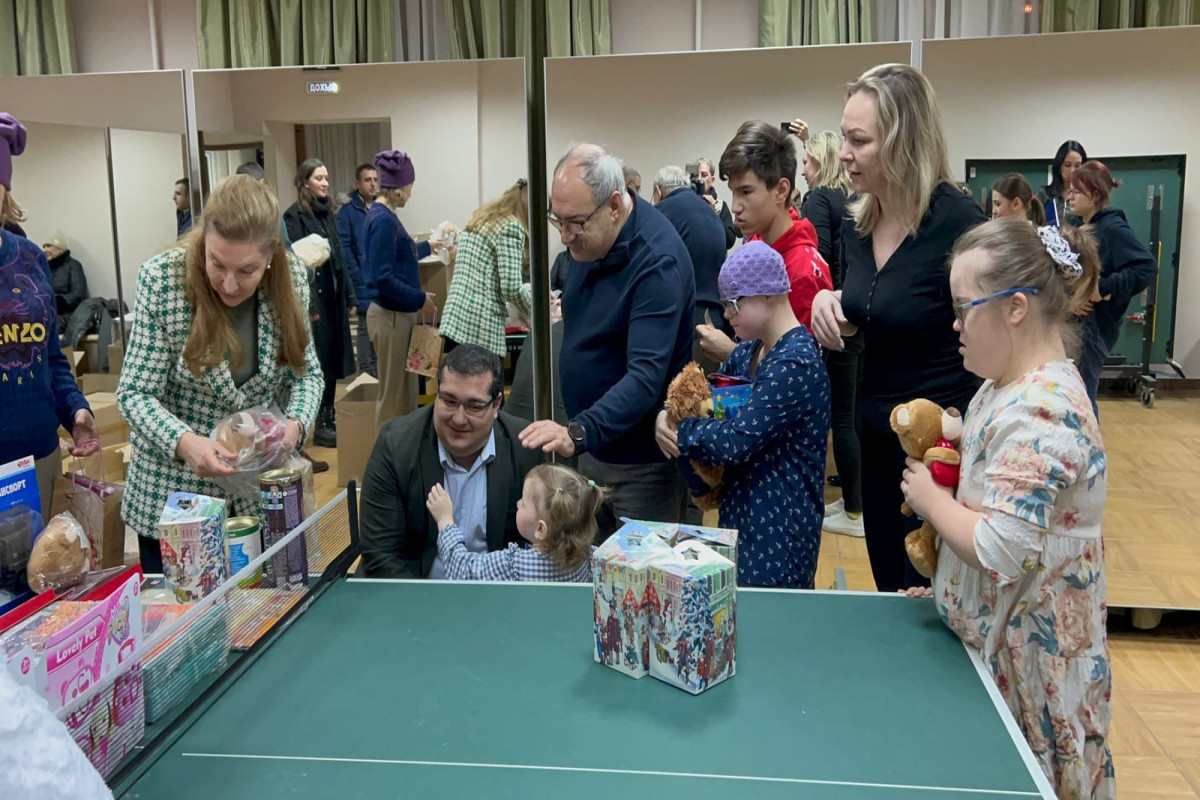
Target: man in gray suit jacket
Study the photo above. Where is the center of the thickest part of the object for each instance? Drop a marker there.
(464, 442)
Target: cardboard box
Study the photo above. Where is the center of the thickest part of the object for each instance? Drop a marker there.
(435, 278)
(356, 428)
(112, 428)
(116, 462)
(98, 383)
(116, 357)
(74, 358)
(620, 575)
(691, 610)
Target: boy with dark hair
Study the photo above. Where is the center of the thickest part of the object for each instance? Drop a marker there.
(759, 166)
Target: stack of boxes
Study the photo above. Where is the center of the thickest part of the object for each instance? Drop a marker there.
(665, 603)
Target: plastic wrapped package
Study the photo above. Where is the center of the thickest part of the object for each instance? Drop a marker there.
(255, 437)
(442, 239)
(60, 555)
(17, 531)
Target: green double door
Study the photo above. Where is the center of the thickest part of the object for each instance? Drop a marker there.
(1142, 178)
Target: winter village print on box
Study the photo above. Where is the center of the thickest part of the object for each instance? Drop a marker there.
(668, 612)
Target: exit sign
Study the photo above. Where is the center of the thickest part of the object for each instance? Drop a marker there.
(322, 87)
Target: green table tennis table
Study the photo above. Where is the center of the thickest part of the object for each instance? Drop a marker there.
(431, 689)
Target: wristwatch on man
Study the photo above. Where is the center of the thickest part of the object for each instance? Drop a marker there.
(578, 435)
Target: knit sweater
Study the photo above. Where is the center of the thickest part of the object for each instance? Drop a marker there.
(37, 388)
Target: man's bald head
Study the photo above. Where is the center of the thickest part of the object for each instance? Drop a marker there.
(586, 179)
(591, 165)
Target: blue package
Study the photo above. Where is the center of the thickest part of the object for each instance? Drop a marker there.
(20, 524)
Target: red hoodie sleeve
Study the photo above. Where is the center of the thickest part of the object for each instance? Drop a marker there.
(808, 274)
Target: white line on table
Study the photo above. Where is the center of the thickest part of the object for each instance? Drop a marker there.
(602, 770)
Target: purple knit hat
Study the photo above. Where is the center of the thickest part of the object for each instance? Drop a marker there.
(753, 270)
(12, 143)
(395, 169)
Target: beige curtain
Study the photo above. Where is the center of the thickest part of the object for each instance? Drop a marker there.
(1091, 15)
(782, 23)
(35, 38)
(488, 29)
(265, 33)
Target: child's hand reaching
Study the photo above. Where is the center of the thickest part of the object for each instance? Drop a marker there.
(920, 490)
(440, 507)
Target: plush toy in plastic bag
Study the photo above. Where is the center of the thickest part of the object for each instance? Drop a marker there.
(256, 438)
(60, 555)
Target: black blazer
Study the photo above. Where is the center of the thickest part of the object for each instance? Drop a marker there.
(398, 536)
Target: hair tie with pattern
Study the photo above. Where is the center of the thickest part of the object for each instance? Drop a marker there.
(591, 483)
(1060, 250)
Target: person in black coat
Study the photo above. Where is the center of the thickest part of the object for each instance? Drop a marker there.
(332, 289)
(1126, 268)
(1053, 196)
(66, 278)
(704, 237)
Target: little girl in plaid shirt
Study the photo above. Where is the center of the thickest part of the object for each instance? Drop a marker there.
(556, 515)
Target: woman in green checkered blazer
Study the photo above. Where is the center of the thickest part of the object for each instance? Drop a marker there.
(487, 272)
(221, 326)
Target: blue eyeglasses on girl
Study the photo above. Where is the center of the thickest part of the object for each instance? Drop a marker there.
(961, 309)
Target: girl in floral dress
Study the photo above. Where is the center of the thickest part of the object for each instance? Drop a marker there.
(1020, 574)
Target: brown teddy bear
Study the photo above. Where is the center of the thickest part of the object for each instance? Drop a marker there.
(689, 395)
(929, 434)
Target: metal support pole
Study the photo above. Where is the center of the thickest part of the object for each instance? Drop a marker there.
(112, 210)
(539, 259)
(192, 143)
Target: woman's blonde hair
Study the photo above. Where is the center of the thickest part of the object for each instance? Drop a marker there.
(241, 209)
(1018, 258)
(570, 504)
(912, 146)
(395, 198)
(10, 209)
(824, 149)
(513, 203)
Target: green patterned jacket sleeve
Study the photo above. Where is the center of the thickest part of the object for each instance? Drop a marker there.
(304, 395)
(510, 251)
(147, 364)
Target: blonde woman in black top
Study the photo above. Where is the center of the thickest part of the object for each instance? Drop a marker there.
(900, 229)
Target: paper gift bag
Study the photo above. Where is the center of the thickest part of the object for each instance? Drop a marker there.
(424, 351)
(96, 504)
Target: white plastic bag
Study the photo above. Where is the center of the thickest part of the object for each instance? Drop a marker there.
(314, 250)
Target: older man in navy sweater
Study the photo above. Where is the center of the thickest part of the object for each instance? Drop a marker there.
(627, 303)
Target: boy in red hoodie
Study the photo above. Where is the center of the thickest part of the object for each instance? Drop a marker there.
(759, 165)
